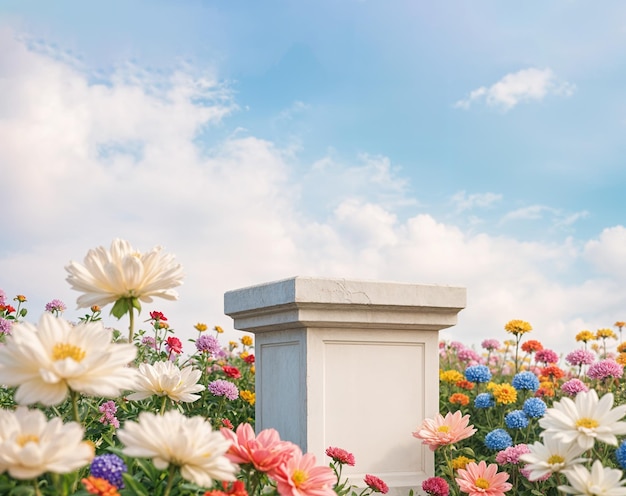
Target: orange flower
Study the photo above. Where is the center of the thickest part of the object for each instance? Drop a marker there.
(442, 430)
(552, 372)
(544, 392)
(465, 384)
(531, 346)
(459, 399)
(97, 485)
(505, 394)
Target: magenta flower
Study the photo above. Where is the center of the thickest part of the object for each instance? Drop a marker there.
(468, 355)
(546, 356)
(574, 386)
(109, 410)
(436, 486)
(605, 369)
(376, 484)
(340, 456)
(56, 307)
(490, 344)
(580, 357)
(208, 344)
(5, 326)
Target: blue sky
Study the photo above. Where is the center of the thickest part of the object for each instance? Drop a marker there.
(476, 144)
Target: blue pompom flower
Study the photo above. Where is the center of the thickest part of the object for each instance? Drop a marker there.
(534, 407)
(525, 380)
(620, 454)
(484, 400)
(498, 439)
(516, 419)
(478, 373)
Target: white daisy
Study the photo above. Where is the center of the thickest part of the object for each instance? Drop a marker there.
(166, 379)
(31, 446)
(44, 362)
(551, 456)
(601, 481)
(585, 420)
(187, 442)
(123, 272)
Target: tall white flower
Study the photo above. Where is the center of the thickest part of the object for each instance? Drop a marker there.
(601, 481)
(585, 420)
(124, 274)
(47, 360)
(166, 379)
(31, 446)
(551, 456)
(187, 442)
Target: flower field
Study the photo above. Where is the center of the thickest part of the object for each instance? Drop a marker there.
(89, 409)
(516, 418)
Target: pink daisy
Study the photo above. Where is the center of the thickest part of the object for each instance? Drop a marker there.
(483, 480)
(444, 430)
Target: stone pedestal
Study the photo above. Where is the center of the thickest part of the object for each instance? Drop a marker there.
(351, 364)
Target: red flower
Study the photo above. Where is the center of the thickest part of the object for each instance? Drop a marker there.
(157, 316)
(376, 484)
(9, 309)
(174, 344)
(465, 384)
(340, 456)
(238, 489)
(532, 345)
(249, 359)
(232, 372)
(227, 423)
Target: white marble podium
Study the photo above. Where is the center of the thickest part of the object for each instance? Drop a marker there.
(348, 363)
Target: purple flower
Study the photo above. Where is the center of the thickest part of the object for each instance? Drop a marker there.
(605, 369)
(149, 341)
(56, 307)
(573, 387)
(208, 344)
(511, 454)
(221, 387)
(580, 357)
(3, 297)
(546, 356)
(109, 410)
(490, 344)
(109, 467)
(5, 326)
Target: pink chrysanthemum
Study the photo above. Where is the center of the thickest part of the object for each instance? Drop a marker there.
(490, 344)
(605, 369)
(375, 484)
(436, 486)
(442, 430)
(511, 454)
(483, 480)
(468, 355)
(580, 357)
(574, 386)
(546, 356)
(340, 456)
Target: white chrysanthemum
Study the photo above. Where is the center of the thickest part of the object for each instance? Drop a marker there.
(585, 420)
(166, 379)
(601, 481)
(47, 360)
(123, 272)
(551, 456)
(187, 442)
(31, 446)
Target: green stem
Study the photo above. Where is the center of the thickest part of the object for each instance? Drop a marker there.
(131, 326)
(74, 398)
(163, 404)
(37, 491)
(170, 480)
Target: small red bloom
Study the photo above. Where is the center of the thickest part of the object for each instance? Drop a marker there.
(157, 316)
(227, 423)
(249, 359)
(232, 372)
(7, 308)
(376, 484)
(465, 384)
(552, 372)
(340, 456)
(174, 344)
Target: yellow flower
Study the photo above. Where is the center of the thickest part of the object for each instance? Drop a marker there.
(218, 329)
(621, 348)
(510, 342)
(451, 376)
(243, 355)
(585, 336)
(621, 359)
(620, 324)
(460, 462)
(517, 327)
(605, 333)
(505, 394)
(546, 384)
(233, 344)
(252, 369)
(246, 340)
(20, 298)
(491, 386)
(201, 327)
(248, 396)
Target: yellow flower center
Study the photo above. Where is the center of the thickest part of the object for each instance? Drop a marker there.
(587, 423)
(554, 459)
(299, 477)
(26, 438)
(443, 428)
(61, 351)
(482, 483)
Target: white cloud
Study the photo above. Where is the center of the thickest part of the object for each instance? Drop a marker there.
(463, 201)
(517, 87)
(83, 163)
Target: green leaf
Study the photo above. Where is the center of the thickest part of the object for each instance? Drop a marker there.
(121, 308)
(134, 485)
